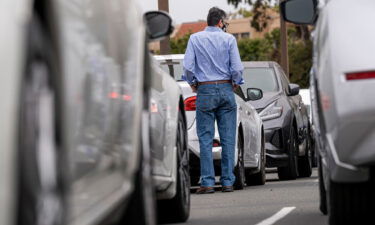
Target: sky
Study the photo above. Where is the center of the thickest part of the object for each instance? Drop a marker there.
(189, 10)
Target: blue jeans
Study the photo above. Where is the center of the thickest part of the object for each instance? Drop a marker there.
(216, 102)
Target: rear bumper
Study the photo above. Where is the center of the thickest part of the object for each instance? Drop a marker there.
(194, 148)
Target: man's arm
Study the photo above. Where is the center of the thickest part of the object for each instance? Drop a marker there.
(236, 67)
(189, 65)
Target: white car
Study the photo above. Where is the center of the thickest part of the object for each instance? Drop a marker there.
(76, 117)
(305, 94)
(343, 107)
(250, 153)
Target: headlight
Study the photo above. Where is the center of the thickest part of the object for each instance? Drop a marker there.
(271, 112)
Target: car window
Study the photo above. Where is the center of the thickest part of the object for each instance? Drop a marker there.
(262, 78)
(284, 80)
(173, 67)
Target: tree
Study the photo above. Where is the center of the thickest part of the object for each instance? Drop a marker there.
(179, 45)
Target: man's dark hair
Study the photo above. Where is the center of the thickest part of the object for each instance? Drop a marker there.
(215, 15)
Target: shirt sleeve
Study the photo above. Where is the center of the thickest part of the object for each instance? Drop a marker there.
(189, 64)
(236, 67)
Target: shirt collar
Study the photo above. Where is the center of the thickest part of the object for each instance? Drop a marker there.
(213, 29)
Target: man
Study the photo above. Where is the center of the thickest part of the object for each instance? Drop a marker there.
(213, 68)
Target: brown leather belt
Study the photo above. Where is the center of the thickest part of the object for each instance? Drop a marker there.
(215, 82)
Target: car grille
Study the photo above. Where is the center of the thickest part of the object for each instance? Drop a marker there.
(277, 139)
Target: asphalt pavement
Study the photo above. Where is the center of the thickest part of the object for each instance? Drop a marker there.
(276, 202)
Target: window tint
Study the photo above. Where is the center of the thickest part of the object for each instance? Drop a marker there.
(262, 78)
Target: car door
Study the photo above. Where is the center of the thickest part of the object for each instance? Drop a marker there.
(246, 117)
(159, 110)
(295, 103)
(91, 78)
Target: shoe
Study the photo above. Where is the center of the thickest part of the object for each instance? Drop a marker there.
(205, 190)
(227, 189)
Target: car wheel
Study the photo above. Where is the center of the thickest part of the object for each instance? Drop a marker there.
(260, 177)
(314, 152)
(351, 203)
(177, 209)
(41, 180)
(141, 209)
(239, 170)
(290, 172)
(305, 162)
(322, 190)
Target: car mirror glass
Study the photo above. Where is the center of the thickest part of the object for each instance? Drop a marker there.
(254, 94)
(293, 89)
(299, 11)
(158, 25)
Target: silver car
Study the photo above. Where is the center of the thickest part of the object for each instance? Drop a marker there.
(76, 115)
(249, 155)
(343, 109)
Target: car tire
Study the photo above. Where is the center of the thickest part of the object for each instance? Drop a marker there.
(141, 209)
(260, 177)
(41, 157)
(239, 170)
(290, 172)
(322, 190)
(351, 203)
(305, 162)
(194, 180)
(177, 209)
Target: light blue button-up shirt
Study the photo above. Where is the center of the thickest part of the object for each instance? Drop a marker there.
(212, 55)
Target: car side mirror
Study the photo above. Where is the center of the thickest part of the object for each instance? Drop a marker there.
(293, 89)
(254, 94)
(299, 11)
(158, 25)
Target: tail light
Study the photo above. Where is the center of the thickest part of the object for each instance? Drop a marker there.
(190, 103)
(216, 143)
(361, 75)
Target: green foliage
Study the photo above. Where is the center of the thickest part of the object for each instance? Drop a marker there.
(254, 49)
(300, 61)
(299, 44)
(268, 49)
(178, 46)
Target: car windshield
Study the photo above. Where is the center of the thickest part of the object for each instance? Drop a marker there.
(173, 67)
(262, 78)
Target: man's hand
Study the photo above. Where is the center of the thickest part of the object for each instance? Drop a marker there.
(235, 86)
(194, 88)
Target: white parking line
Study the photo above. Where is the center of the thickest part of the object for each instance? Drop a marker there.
(279, 215)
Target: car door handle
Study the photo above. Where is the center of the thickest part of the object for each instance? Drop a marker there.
(240, 108)
(248, 113)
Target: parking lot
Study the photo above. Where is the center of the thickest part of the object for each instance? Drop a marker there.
(277, 202)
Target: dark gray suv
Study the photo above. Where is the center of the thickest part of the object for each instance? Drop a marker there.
(285, 119)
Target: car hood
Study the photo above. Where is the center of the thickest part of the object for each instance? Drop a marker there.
(268, 98)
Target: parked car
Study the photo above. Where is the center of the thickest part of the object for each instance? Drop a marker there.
(305, 94)
(343, 109)
(250, 155)
(285, 119)
(75, 113)
(169, 146)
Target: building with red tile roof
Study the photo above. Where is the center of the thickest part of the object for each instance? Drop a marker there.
(187, 28)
